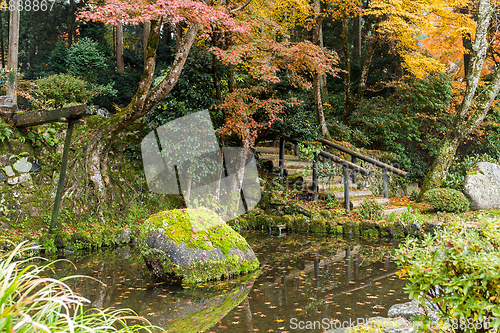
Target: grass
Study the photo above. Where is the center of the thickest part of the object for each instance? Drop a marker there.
(30, 302)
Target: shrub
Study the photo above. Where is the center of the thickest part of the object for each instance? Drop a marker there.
(85, 59)
(57, 90)
(447, 200)
(371, 210)
(30, 302)
(458, 271)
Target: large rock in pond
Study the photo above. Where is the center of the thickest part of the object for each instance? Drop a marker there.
(194, 245)
(482, 186)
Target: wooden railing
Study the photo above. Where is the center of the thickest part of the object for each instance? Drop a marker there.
(354, 156)
(346, 165)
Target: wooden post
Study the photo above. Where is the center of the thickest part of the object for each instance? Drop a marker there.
(346, 188)
(354, 173)
(386, 188)
(62, 174)
(282, 157)
(315, 174)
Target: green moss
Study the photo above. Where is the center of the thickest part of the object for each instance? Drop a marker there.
(196, 228)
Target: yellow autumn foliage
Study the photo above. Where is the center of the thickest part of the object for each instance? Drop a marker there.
(426, 33)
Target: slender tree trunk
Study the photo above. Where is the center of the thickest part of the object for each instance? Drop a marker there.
(366, 65)
(119, 49)
(218, 93)
(467, 43)
(317, 78)
(466, 122)
(1, 39)
(71, 22)
(147, 28)
(348, 105)
(357, 36)
(13, 55)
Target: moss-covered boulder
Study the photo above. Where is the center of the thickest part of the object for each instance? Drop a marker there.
(194, 245)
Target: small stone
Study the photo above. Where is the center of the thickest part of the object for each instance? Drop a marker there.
(4, 160)
(13, 181)
(8, 170)
(26, 180)
(23, 165)
(2, 176)
(124, 237)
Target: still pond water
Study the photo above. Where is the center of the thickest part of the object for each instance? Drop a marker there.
(302, 278)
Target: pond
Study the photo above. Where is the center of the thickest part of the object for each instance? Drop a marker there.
(303, 278)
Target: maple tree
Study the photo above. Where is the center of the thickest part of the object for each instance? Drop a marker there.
(251, 43)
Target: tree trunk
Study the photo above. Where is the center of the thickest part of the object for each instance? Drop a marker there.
(71, 22)
(1, 39)
(119, 49)
(357, 36)
(463, 123)
(317, 78)
(12, 63)
(348, 106)
(366, 65)
(147, 28)
(142, 102)
(218, 93)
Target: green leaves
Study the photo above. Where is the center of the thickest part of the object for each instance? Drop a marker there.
(446, 199)
(457, 270)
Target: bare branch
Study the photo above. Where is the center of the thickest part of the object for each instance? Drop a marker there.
(240, 7)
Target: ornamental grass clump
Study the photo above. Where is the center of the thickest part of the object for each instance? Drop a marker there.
(447, 200)
(458, 271)
(30, 302)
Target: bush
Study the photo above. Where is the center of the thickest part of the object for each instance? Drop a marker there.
(57, 90)
(447, 200)
(85, 59)
(30, 302)
(457, 270)
(371, 210)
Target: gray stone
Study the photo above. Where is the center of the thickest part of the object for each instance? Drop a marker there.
(4, 160)
(482, 186)
(2, 176)
(25, 177)
(412, 309)
(124, 237)
(13, 181)
(23, 165)
(194, 245)
(26, 180)
(8, 170)
(406, 310)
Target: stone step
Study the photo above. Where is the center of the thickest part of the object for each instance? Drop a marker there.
(357, 203)
(397, 211)
(293, 164)
(272, 157)
(330, 188)
(334, 180)
(268, 150)
(353, 194)
(298, 172)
